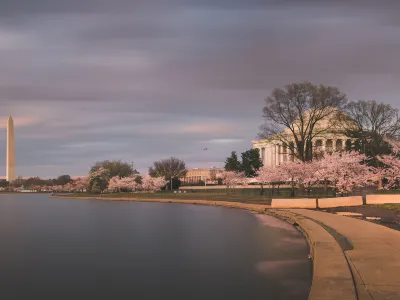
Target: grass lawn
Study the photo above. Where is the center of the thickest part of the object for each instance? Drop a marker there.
(238, 195)
(186, 196)
(390, 206)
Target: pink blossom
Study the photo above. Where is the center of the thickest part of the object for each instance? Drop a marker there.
(153, 184)
(231, 178)
(346, 170)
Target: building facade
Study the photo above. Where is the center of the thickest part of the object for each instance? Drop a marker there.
(278, 150)
(197, 176)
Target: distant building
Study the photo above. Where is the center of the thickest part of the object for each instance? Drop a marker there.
(197, 175)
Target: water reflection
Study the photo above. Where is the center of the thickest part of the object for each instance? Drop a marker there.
(73, 249)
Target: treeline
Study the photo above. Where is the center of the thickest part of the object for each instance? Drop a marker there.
(20, 182)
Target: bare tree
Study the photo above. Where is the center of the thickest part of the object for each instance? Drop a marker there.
(171, 168)
(370, 122)
(300, 112)
(373, 117)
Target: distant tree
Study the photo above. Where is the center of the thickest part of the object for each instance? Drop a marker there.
(96, 188)
(4, 183)
(270, 176)
(390, 166)
(80, 184)
(169, 169)
(251, 162)
(231, 179)
(17, 182)
(249, 165)
(153, 184)
(63, 179)
(98, 180)
(369, 123)
(232, 163)
(293, 115)
(176, 183)
(115, 168)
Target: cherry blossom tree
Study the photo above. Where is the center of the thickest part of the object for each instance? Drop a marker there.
(100, 177)
(270, 176)
(231, 179)
(391, 165)
(114, 184)
(80, 184)
(130, 183)
(153, 184)
(299, 173)
(346, 170)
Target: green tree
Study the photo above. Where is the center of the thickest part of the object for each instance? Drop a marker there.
(251, 162)
(98, 180)
(170, 168)
(96, 188)
(115, 168)
(232, 163)
(4, 183)
(63, 179)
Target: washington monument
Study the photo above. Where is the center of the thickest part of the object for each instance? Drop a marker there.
(10, 173)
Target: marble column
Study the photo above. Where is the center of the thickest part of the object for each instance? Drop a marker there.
(278, 155)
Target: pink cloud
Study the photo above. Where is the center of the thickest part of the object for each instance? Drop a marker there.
(20, 121)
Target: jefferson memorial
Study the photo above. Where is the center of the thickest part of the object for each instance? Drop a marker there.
(274, 151)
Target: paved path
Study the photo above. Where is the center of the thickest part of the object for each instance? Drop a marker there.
(375, 257)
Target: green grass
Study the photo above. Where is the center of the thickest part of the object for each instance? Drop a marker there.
(389, 206)
(390, 192)
(238, 195)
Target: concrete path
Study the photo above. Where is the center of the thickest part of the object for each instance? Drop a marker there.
(375, 257)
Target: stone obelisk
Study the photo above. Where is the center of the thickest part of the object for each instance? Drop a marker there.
(10, 173)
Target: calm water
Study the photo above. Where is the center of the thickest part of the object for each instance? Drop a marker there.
(88, 249)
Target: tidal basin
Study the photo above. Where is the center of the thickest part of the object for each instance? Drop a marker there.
(56, 248)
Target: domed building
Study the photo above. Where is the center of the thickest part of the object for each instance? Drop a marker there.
(328, 135)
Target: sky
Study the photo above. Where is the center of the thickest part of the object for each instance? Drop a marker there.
(142, 80)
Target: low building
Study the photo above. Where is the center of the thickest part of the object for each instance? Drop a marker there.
(196, 176)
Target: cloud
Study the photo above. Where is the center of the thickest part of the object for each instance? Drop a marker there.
(20, 121)
(208, 128)
(143, 80)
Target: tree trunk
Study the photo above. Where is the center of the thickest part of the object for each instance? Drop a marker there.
(301, 189)
(380, 183)
(292, 190)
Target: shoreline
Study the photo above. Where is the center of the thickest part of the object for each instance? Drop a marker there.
(229, 204)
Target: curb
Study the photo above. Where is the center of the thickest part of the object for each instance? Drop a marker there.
(332, 274)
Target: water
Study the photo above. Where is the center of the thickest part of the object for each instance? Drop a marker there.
(88, 249)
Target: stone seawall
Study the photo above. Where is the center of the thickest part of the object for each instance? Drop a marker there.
(383, 199)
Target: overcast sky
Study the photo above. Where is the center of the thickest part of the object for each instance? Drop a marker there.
(141, 80)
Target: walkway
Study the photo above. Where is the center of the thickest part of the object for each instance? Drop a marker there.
(375, 257)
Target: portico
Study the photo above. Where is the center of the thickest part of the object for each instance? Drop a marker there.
(273, 153)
